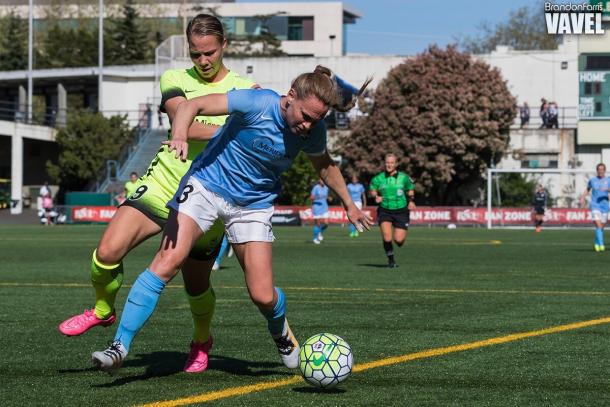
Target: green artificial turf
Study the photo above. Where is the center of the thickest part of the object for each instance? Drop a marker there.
(452, 287)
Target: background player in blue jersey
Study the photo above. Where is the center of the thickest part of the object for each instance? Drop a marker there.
(236, 179)
(358, 193)
(598, 187)
(319, 209)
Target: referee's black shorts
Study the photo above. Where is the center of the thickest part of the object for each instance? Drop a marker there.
(539, 210)
(399, 217)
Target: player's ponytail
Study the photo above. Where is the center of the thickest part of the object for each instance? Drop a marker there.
(321, 84)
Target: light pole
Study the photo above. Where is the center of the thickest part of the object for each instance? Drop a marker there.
(100, 55)
(30, 59)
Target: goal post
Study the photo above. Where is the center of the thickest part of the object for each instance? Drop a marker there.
(564, 188)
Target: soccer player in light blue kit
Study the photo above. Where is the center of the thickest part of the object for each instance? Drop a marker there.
(599, 188)
(319, 209)
(358, 193)
(237, 178)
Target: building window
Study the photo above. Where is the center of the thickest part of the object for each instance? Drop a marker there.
(598, 63)
(300, 28)
(588, 88)
(597, 88)
(598, 107)
(540, 161)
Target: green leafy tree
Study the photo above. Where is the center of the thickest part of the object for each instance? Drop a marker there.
(524, 30)
(68, 47)
(87, 141)
(516, 190)
(445, 115)
(13, 43)
(125, 39)
(297, 181)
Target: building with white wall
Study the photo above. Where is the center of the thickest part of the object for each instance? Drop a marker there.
(304, 28)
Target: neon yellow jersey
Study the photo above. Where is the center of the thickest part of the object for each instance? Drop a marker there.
(130, 188)
(165, 168)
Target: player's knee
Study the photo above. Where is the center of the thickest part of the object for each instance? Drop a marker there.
(165, 264)
(107, 253)
(399, 242)
(264, 301)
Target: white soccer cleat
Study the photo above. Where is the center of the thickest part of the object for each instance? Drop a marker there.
(288, 348)
(316, 241)
(320, 237)
(216, 266)
(111, 359)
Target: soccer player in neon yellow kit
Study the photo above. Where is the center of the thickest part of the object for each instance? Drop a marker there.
(144, 213)
(131, 185)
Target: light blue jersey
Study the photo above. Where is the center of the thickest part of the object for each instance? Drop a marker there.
(320, 199)
(355, 191)
(244, 160)
(599, 188)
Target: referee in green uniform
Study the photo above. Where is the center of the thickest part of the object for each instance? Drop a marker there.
(394, 191)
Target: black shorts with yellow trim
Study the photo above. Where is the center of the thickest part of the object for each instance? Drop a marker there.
(206, 248)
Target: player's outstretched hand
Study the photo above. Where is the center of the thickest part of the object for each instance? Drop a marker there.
(359, 219)
(180, 146)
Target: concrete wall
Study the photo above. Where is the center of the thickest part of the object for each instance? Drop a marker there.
(532, 75)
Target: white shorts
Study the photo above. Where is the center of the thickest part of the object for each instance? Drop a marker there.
(242, 224)
(599, 216)
(324, 215)
(358, 204)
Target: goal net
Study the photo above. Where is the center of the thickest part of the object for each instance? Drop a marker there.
(510, 197)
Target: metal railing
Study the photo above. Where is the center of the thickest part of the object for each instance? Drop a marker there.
(567, 118)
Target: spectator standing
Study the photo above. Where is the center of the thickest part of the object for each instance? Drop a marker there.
(524, 114)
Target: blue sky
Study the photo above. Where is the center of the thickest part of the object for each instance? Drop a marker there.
(407, 27)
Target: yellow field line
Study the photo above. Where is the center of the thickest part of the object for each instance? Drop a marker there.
(347, 289)
(257, 387)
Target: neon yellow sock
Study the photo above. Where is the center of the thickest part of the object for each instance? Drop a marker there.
(106, 280)
(202, 309)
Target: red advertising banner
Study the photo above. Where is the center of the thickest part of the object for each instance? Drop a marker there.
(92, 213)
(294, 215)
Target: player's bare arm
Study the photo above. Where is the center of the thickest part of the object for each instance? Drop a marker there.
(332, 177)
(209, 105)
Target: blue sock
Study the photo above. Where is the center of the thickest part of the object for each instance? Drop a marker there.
(599, 236)
(276, 317)
(223, 249)
(316, 231)
(140, 304)
(323, 227)
(352, 228)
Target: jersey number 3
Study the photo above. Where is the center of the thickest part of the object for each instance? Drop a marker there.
(185, 193)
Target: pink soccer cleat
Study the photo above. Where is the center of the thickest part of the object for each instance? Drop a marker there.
(198, 357)
(81, 323)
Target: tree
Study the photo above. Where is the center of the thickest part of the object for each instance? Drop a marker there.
(445, 115)
(524, 30)
(125, 40)
(87, 141)
(297, 181)
(516, 190)
(13, 43)
(68, 47)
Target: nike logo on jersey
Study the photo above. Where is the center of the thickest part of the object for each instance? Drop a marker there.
(190, 90)
(263, 117)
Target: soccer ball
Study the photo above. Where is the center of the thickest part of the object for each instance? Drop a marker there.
(325, 360)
